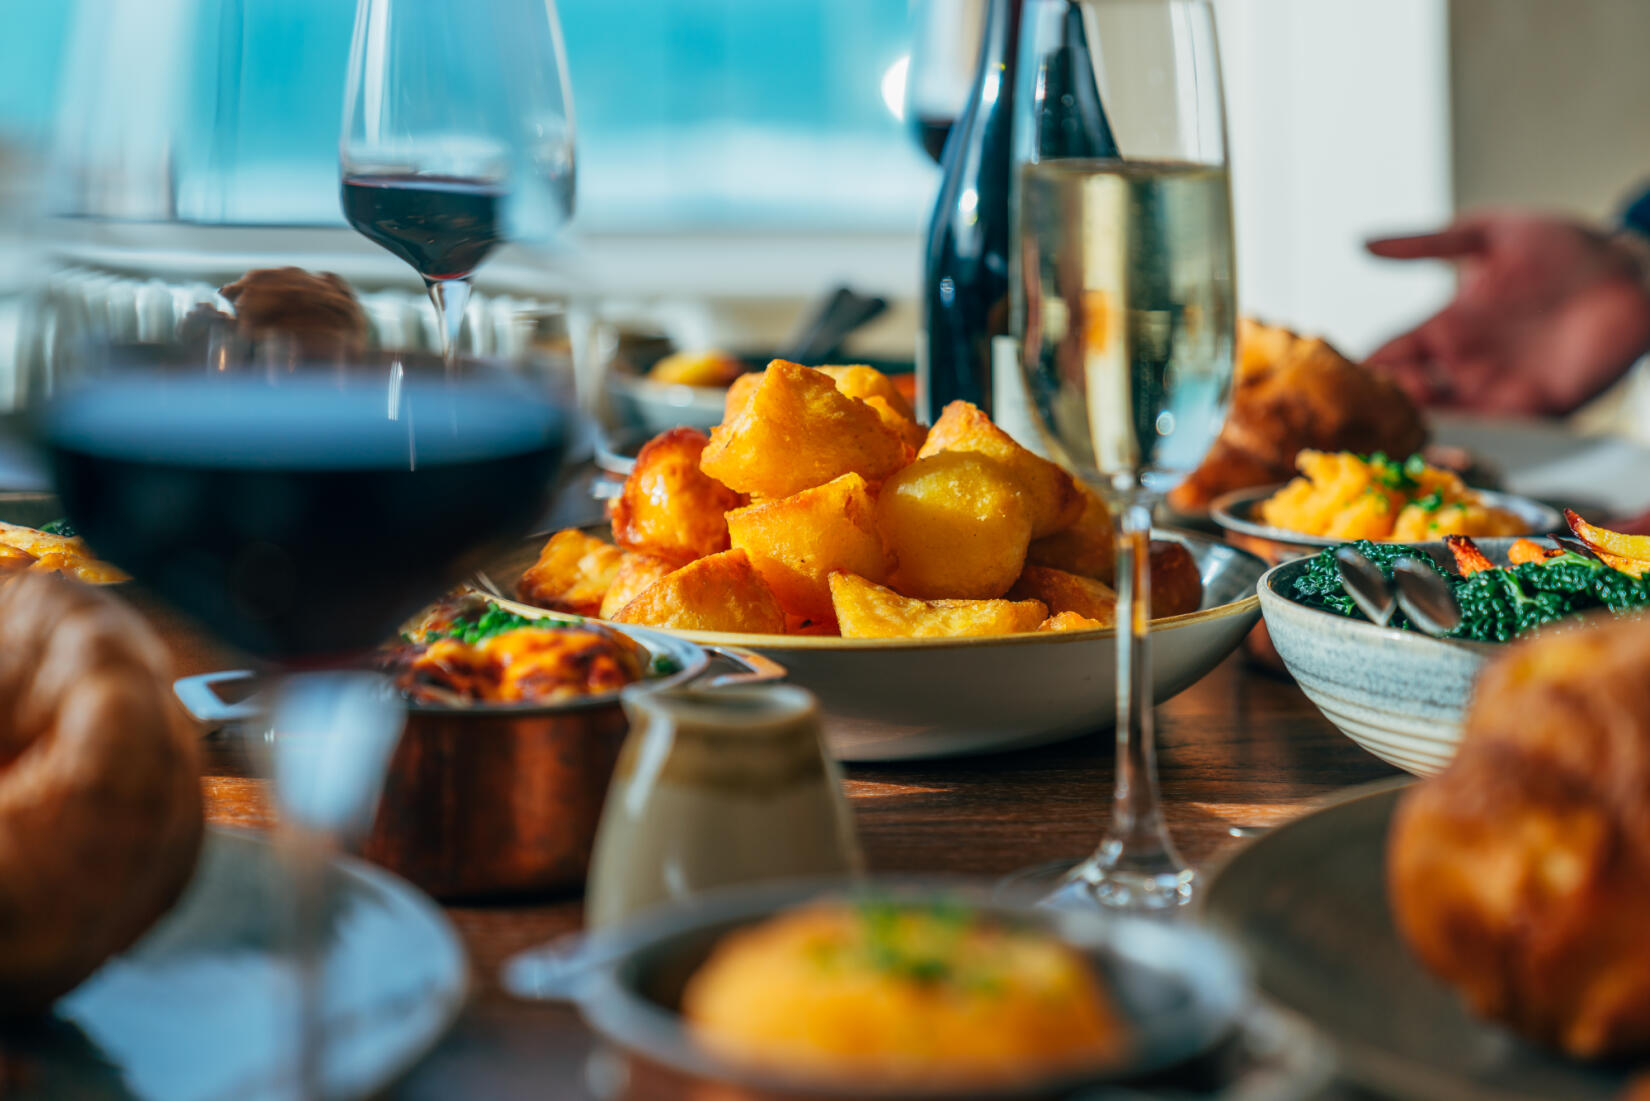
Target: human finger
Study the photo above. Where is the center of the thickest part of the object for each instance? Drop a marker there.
(1452, 242)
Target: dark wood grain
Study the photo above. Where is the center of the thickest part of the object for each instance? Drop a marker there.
(1242, 748)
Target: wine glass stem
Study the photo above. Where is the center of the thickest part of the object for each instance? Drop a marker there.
(1137, 841)
(451, 298)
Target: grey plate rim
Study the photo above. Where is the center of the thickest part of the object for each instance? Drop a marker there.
(1368, 1064)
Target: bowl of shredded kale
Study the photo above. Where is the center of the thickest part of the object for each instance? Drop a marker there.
(1402, 694)
(1497, 604)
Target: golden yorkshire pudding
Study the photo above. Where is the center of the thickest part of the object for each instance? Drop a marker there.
(316, 311)
(1294, 393)
(100, 805)
(1521, 874)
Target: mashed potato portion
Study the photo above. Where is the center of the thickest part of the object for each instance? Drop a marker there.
(1346, 496)
(894, 993)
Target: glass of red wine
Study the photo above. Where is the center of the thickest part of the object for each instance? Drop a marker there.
(945, 51)
(301, 513)
(457, 136)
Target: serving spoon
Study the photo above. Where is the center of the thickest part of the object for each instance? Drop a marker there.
(1416, 587)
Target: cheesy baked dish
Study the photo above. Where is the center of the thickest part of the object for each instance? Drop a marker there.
(60, 552)
(469, 650)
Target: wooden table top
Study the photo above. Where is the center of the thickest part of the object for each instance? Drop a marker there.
(1243, 747)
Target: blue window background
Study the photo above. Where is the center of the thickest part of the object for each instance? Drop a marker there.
(692, 114)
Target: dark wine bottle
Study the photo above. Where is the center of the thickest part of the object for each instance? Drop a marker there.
(967, 263)
(965, 277)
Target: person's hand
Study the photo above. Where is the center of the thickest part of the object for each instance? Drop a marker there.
(1549, 313)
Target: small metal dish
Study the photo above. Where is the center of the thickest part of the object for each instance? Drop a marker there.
(491, 800)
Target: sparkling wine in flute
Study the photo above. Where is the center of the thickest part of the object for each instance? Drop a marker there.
(1130, 313)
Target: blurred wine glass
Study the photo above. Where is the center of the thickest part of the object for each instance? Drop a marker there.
(457, 136)
(945, 49)
(1124, 301)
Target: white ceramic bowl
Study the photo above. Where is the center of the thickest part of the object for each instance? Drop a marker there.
(908, 699)
(1399, 694)
(660, 406)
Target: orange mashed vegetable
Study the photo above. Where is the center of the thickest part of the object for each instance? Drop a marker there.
(1345, 496)
(895, 993)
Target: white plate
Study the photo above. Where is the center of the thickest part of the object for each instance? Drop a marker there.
(203, 1007)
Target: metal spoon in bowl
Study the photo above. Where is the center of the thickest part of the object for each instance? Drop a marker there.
(1425, 597)
(1366, 585)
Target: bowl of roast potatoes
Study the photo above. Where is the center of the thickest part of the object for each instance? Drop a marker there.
(943, 590)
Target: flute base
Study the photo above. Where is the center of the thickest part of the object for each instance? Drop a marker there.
(1087, 885)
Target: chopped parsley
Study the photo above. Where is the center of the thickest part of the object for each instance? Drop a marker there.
(1396, 474)
(663, 665)
(60, 527)
(493, 621)
(1432, 502)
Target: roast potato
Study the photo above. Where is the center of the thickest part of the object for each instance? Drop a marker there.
(796, 541)
(669, 507)
(739, 394)
(957, 526)
(1177, 586)
(1088, 548)
(1067, 592)
(572, 574)
(698, 368)
(865, 609)
(720, 592)
(908, 430)
(862, 382)
(798, 431)
(637, 572)
(1070, 621)
(1051, 494)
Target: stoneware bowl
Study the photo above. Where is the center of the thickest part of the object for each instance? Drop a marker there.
(1399, 694)
(892, 699)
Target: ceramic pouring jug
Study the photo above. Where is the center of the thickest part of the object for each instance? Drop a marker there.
(717, 787)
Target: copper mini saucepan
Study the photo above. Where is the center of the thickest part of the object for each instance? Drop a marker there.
(488, 800)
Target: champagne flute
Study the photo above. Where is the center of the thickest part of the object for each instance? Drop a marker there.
(1124, 301)
(457, 136)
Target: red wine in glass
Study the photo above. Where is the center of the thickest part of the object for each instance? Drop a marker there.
(303, 519)
(931, 134)
(442, 226)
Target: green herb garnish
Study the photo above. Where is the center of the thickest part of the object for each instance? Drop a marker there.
(493, 621)
(1432, 502)
(663, 665)
(60, 527)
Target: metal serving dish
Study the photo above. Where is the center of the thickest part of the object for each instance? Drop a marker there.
(1238, 514)
(1180, 989)
(496, 800)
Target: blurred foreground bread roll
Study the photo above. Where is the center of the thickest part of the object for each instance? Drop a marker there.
(1521, 874)
(100, 805)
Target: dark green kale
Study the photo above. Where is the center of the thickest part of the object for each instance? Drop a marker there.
(1496, 605)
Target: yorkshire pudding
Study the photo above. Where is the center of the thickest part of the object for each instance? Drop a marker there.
(1521, 874)
(100, 806)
